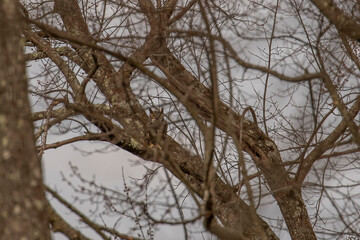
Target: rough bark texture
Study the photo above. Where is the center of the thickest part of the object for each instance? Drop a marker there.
(22, 199)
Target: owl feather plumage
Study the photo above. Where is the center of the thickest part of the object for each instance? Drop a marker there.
(157, 127)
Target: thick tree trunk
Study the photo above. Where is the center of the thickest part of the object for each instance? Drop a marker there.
(22, 199)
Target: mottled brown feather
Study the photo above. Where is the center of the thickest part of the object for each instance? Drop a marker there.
(157, 128)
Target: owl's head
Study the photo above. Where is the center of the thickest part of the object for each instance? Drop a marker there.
(156, 114)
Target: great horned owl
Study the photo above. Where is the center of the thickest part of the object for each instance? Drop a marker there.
(157, 127)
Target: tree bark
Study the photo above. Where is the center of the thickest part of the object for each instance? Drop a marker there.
(22, 199)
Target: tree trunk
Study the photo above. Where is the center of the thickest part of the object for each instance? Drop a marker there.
(22, 198)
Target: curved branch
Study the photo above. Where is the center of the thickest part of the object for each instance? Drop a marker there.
(345, 24)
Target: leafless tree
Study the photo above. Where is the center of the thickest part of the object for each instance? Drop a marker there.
(260, 101)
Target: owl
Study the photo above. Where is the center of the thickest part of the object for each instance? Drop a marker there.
(157, 127)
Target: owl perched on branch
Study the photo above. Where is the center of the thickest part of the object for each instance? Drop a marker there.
(157, 127)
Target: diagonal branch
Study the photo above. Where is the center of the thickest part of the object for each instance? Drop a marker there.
(256, 143)
(324, 145)
(345, 24)
(59, 224)
(338, 102)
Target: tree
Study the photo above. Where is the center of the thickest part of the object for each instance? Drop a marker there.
(261, 101)
(22, 198)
